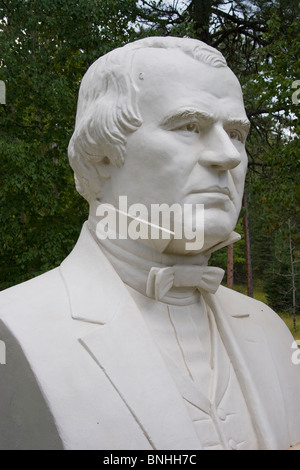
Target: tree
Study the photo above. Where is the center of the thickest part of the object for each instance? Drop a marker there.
(248, 255)
(275, 150)
(230, 266)
(282, 274)
(46, 47)
(260, 40)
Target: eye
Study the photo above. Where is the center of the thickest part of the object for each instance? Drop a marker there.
(236, 135)
(192, 127)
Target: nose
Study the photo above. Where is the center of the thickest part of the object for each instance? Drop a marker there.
(219, 151)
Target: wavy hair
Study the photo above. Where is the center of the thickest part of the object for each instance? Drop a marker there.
(107, 110)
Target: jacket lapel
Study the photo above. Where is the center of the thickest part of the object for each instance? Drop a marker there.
(136, 370)
(124, 349)
(248, 349)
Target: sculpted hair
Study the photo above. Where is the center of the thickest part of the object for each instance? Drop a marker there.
(107, 110)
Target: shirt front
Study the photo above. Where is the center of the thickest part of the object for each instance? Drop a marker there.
(191, 346)
(185, 332)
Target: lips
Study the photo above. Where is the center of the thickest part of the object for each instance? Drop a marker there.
(212, 189)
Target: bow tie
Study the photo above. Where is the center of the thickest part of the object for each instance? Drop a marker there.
(204, 278)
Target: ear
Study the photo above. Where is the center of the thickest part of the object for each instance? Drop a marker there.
(104, 167)
(91, 176)
(96, 174)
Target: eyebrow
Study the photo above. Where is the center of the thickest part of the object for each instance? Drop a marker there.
(187, 113)
(243, 123)
(174, 118)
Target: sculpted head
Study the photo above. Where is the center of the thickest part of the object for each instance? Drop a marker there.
(162, 120)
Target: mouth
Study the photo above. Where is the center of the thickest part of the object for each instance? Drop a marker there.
(213, 189)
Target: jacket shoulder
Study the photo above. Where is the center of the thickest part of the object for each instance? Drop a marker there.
(34, 309)
(38, 295)
(26, 311)
(239, 305)
(250, 315)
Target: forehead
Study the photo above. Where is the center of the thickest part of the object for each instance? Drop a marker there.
(168, 79)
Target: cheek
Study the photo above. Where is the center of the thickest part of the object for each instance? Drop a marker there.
(157, 151)
(238, 174)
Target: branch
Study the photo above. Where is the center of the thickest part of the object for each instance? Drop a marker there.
(5, 6)
(169, 11)
(258, 164)
(255, 112)
(239, 21)
(237, 30)
(258, 111)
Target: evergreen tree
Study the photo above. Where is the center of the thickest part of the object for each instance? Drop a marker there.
(46, 47)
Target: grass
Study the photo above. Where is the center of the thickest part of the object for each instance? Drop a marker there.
(259, 294)
(288, 320)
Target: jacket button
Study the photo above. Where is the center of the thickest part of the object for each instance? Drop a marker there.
(232, 444)
(221, 414)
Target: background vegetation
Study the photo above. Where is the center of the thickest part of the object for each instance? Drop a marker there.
(46, 47)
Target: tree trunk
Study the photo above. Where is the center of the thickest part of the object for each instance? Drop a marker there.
(230, 266)
(292, 275)
(200, 12)
(247, 249)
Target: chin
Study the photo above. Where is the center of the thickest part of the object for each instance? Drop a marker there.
(218, 229)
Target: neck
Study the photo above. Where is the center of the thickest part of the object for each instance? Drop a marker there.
(149, 248)
(133, 261)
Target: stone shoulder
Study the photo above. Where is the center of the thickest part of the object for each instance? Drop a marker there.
(260, 313)
(34, 297)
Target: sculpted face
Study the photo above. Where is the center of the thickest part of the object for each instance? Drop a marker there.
(191, 145)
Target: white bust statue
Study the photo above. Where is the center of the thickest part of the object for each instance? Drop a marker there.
(131, 343)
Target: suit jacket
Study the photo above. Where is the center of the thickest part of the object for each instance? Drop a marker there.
(82, 370)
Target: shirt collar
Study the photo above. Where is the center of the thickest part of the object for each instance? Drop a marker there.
(133, 260)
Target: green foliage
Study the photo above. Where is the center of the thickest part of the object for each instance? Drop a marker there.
(46, 47)
(260, 40)
(284, 269)
(273, 183)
